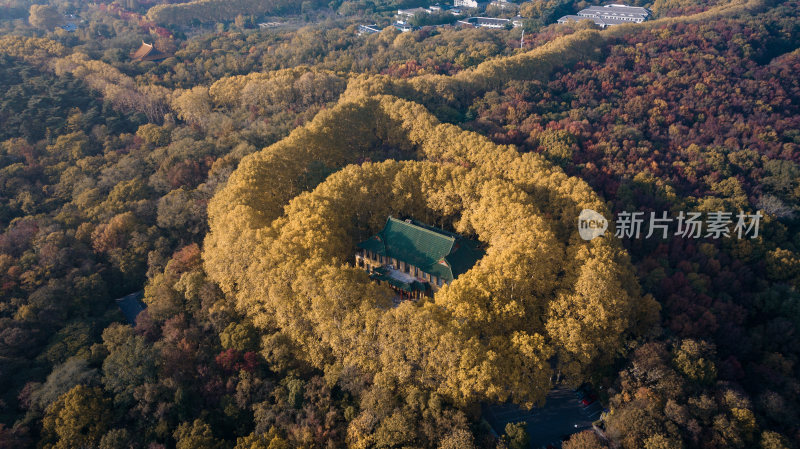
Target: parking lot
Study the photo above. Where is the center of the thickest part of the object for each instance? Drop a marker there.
(563, 414)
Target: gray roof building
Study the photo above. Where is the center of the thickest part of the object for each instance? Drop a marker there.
(368, 29)
(412, 12)
(474, 4)
(403, 27)
(489, 22)
(609, 15)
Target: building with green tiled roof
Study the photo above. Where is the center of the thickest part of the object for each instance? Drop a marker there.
(415, 258)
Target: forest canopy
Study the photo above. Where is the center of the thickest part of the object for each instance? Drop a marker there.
(220, 193)
(539, 293)
(216, 10)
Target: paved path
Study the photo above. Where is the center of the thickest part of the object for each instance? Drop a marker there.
(562, 414)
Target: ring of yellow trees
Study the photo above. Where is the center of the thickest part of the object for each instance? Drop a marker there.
(284, 229)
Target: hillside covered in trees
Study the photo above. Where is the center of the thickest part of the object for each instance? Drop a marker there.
(230, 182)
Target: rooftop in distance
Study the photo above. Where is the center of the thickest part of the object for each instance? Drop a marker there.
(609, 15)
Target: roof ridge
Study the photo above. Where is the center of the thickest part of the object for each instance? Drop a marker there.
(440, 234)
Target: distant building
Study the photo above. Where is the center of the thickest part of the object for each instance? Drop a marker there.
(147, 52)
(416, 259)
(69, 27)
(403, 27)
(609, 15)
(368, 29)
(489, 22)
(503, 4)
(409, 13)
(473, 4)
(404, 15)
(131, 306)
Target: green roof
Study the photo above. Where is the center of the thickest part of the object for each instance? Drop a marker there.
(432, 250)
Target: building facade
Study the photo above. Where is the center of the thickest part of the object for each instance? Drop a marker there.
(503, 4)
(609, 15)
(469, 4)
(415, 259)
(489, 22)
(368, 29)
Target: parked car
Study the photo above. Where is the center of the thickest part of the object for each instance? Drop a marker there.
(589, 399)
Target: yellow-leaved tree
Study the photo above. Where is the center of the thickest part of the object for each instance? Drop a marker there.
(284, 229)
